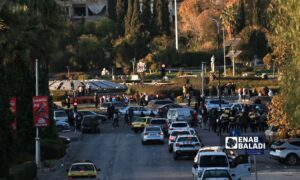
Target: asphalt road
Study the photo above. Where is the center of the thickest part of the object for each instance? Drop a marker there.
(121, 156)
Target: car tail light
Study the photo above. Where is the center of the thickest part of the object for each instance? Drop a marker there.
(280, 148)
(177, 144)
(171, 128)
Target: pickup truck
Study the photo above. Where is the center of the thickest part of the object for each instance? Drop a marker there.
(215, 158)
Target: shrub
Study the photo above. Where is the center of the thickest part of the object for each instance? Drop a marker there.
(52, 149)
(28, 170)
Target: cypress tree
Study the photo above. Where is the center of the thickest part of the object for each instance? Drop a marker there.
(146, 16)
(135, 18)
(129, 17)
(165, 17)
(157, 17)
(121, 9)
(112, 9)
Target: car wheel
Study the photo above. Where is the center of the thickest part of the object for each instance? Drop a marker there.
(175, 156)
(291, 159)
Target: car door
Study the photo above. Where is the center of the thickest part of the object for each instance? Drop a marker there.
(240, 167)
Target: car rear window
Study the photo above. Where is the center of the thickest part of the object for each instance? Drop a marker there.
(176, 133)
(153, 129)
(158, 121)
(60, 114)
(179, 125)
(191, 139)
(82, 167)
(213, 161)
(217, 173)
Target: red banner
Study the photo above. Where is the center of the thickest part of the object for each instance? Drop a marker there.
(40, 111)
(13, 108)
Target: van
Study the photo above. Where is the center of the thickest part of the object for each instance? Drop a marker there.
(179, 114)
(239, 167)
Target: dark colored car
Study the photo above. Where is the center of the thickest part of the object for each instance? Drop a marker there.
(105, 105)
(163, 109)
(153, 104)
(90, 124)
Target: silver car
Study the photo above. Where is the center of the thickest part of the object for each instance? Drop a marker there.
(152, 134)
(286, 151)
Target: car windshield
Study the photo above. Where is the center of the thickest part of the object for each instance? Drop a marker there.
(179, 125)
(82, 167)
(61, 114)
(213, 161)
(152, 129)
(216, 173)
(158, 121)
(140, 120)
(191, 139)
(176, 133)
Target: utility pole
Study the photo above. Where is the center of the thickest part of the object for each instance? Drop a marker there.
(202, 82)
(176, 28)
(224, 49)
(37, 139)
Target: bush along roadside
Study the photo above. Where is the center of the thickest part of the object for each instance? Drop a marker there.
(27, 170)
(52, 149)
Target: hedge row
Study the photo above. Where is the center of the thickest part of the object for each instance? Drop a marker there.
(52, 149)
(27, 171)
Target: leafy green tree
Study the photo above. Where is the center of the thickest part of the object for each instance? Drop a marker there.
(284, 27)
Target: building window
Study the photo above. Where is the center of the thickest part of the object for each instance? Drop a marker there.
(79, 10)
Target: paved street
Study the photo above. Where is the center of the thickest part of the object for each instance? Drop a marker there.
(121, 156)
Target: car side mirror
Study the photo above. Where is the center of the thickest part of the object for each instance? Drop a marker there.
(98, 169)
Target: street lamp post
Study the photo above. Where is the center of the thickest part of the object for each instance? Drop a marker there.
(68, 68)
(176, 28)
(219, 58)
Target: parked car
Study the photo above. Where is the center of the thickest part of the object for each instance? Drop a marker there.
(271, 134)
(163, 109)
(118, 105)
(100, 117)
(214, 103)
(90, 124)
(261, 99)
(216, 174)
(140, 123)
(62, 126)
(137, 111)
(286, 151)
(83, 169)
(179, 114)
(234, 106)
(161, 122)
(60, 115)
(186, 145)
(155, 103)
(152, 134)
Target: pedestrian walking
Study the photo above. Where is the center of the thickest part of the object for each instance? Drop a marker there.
(115, 118)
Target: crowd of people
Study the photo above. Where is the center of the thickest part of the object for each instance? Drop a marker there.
(250, 118)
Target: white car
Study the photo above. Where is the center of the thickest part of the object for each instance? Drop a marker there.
(216, 174)
(137, 111)
(186, 145)
(214, 103)
(173, 136)
(238, 168)
(60, 115)
(177, 126)
(152, 134)
(287, 151)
